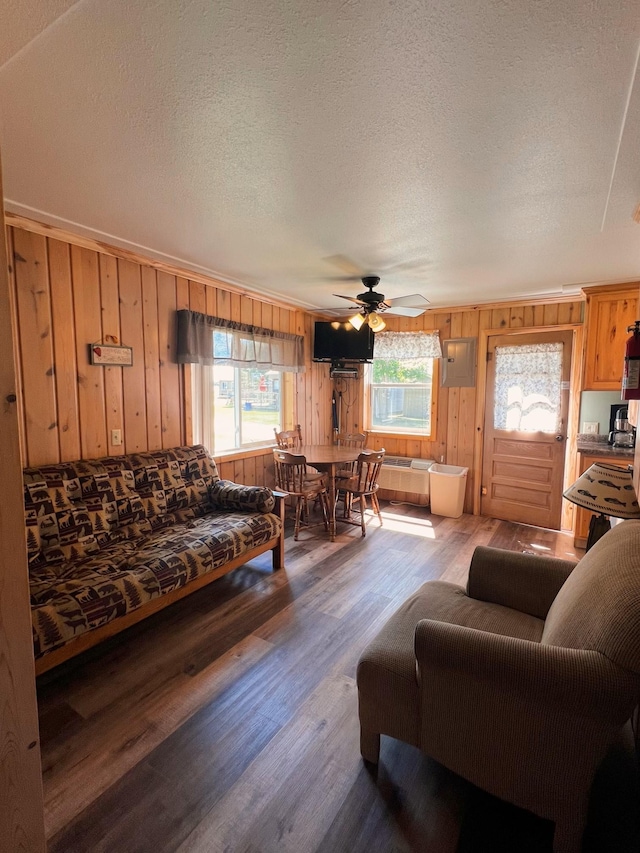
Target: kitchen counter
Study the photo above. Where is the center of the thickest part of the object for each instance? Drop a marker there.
(597, 445)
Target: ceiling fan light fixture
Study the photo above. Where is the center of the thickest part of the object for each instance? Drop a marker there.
(376, 323)
(358, 321)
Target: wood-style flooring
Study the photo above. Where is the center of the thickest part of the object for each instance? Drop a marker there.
(228, 722)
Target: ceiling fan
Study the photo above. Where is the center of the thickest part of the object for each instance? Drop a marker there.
(372, 303)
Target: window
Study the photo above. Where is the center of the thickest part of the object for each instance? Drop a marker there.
(241, 379)
(246, 406)
(401, 385)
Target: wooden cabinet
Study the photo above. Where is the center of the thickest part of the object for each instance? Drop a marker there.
(583, 516)
(610, 311)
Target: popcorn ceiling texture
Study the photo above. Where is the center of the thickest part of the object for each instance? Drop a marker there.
(474, 142)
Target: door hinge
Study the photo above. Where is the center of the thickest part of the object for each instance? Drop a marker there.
(483, 490)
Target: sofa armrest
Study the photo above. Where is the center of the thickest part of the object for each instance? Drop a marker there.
(224, 494)
(576, 682)
(524, 582)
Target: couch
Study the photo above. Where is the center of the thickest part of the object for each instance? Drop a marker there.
(112, 540)
(520, 682)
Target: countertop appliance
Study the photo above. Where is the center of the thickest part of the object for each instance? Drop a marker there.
(622, 434)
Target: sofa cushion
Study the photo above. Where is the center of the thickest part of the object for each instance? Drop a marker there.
(127, 574)
(159, 483)
(227, 495)
(64, 528)
(111, 490)
(598, 606)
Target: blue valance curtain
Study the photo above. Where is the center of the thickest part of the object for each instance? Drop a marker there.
(212, 340)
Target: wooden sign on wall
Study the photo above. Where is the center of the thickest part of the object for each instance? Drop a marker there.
(108, 354)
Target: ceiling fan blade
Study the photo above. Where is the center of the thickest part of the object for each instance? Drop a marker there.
(342, 262)
(405, 312)
(350, 298)
(415, 300)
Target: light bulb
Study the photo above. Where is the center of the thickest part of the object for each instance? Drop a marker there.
(357, 321)
(376, 323)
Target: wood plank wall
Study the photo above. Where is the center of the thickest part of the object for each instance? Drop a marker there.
(68, 295)
(453, 440)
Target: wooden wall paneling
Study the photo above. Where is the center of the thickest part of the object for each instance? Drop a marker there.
(236, 308)
(133, 379)
(500, 318)
(238, 471)
(550, 315)
(224, 304)
(256, 318)
(454, 415)
(184, 370)
(249, 473)
(197, 297)
(151, 358)
(64, 350)
(170, 399)
(212, 301)
(36, 340)
(467, 409)
(13, 303)
(21, 802)
(246, 310)
(110, 309)
(267, 316)
(260, 475)
(86, 306)
(225, 469)
(516, 317)
(528, 315)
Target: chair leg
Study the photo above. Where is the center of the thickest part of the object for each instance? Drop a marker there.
(363, 507)
(369, 746)
(376, 506)
(324, 503)
(296, 529)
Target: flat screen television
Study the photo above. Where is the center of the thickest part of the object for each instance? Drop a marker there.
(341, 342)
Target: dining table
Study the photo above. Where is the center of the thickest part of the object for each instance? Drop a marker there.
(329, 457)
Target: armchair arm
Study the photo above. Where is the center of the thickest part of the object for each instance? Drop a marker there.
(224, 494)
(578, 682)
(524, 582)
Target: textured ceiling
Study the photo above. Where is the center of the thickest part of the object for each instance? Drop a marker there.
(473, 151)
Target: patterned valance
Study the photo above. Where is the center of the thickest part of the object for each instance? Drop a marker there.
(407, 345)
(213, 340)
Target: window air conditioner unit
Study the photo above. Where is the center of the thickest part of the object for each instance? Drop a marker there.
(401, 474)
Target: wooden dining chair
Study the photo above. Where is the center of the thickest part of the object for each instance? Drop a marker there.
(291, 440)
(363, 484)
(291, 478)
(349, 439)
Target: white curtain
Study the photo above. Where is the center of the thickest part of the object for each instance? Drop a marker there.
(407, 345)
(528, 387)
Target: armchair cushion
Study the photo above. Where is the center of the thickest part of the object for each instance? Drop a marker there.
(599, 605)
(525, 582)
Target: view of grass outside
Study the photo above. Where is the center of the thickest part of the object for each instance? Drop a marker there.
(251, 419)
(401, 394)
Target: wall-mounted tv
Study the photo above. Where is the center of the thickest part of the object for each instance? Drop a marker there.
(341, 342)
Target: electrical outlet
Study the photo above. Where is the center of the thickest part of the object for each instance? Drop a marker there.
(116, 437)
(590, 427)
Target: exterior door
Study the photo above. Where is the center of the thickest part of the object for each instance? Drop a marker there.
(525, 427)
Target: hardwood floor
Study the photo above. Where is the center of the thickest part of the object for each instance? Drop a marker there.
(228, 722)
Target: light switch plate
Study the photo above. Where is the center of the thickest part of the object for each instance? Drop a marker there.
(591, 427)
(116, 437)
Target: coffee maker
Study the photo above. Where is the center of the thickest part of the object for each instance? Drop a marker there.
(622, 434)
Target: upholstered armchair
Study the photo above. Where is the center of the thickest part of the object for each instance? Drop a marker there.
(518, 683)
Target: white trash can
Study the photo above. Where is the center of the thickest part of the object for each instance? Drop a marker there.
(447, 485)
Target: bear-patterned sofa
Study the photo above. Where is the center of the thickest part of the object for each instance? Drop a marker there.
(112, 540)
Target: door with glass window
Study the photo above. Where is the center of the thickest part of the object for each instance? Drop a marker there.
(525, 428)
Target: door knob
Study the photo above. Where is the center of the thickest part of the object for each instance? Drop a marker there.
(559, 438)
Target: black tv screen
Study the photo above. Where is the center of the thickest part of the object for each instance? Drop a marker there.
(341, 342)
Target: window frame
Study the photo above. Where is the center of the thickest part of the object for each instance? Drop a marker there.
(417, 435)
(202, 395)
